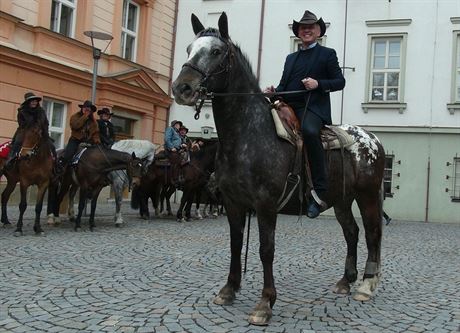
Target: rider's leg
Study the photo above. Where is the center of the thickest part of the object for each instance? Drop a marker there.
(16, 143)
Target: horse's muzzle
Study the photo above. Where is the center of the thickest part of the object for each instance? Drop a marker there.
(184, 94)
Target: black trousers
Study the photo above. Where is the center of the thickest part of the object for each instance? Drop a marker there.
(70, 149)
(311, 125)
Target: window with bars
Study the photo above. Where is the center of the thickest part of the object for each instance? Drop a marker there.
(63, 17)
(456, 180)
(388, 176)
(129, 29)
(56, 112)
(385, 74)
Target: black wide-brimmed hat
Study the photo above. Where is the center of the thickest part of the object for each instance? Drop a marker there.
(308, 18)
(30, 96)
(88, 104)
(104, 111)
(184, 128)
(174, 122)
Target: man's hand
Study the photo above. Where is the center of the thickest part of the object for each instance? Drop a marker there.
(183, 145)
(174, 149)
(269, 89)
(309, 83)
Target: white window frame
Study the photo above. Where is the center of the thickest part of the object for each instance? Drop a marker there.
(73, 6)
(455, 98)
(125, 31)
(49, 113)
(391, 104)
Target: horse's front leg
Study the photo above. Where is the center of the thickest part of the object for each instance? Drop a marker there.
(236, 220)
(38, 208)
(81, 207)
(183, 201)
(22, 209)
(70, 208)
(118, 190)
(5, 197)
(94, 197)
(262, 313)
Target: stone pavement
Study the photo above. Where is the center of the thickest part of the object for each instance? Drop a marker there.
(161, 276)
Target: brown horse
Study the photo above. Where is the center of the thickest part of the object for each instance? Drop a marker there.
(253, 164)
(33, 167)
(91, 175)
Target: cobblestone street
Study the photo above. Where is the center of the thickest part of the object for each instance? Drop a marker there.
(161, 276)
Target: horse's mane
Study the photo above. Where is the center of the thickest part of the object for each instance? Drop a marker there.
(244, 60)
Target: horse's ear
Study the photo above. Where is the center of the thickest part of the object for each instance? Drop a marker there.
(133, 155)
(223, 26)
(196, 24)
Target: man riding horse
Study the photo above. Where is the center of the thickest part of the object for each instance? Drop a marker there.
(106, 131)
(314, 68)
(84, 130)
(174, 148)
(30, 115)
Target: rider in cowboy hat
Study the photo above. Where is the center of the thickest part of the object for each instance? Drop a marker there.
(84, 130)
(30, 114)
(313, 68)
(106, 131)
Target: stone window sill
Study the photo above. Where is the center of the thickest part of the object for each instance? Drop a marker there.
(452, 107)
(400, 107)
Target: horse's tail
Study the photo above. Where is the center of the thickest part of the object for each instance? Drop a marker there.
(135, 198)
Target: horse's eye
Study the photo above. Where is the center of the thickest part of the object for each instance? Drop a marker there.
(215, 52)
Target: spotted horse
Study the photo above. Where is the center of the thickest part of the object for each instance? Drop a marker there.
(253, 163)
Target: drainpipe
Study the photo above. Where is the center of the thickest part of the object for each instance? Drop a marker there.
(343, 59)
(171, 64)
(261, 35)
(427, 199)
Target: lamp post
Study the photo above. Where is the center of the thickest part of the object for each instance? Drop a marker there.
(96, 56)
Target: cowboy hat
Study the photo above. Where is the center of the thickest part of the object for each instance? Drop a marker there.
(308, 18)
(88, 104)
(30, 96)
(184, 128)
(174, 122)
(105, 111)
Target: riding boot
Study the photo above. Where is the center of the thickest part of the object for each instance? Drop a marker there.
(13, 154)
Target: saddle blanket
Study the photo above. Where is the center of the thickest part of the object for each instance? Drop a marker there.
(5, 149)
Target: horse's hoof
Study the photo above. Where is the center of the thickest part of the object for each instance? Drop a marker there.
(223, 300)
(40, 233)
(180, 220)
(117, 225)
(144, 217)
(77, 229)
(91, 229)
(6, 222)
(188, 219)
(341, 287)
(366, 290)
(260, 317)
(18, 233)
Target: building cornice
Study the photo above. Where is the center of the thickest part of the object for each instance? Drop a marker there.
(388, 23)
(455, 20)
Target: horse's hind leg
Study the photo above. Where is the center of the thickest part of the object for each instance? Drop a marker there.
(5, 197)
(81, 207)
(370, 206)
(38, 208)
(236, 221)
(118, 191)
(350, 231)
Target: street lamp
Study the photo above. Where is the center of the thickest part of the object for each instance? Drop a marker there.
(96, 56)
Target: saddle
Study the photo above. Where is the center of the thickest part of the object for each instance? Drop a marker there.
(162, 159)
(288, 128)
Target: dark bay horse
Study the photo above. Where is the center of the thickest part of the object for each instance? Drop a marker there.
(34, 167)
(91, 175)
(253, 163)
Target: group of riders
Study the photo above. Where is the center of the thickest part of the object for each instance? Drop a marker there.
(86, 129)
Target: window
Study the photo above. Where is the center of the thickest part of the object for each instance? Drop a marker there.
(385, 69)
(456, 180)
(388, 176)
(63, 17)
(130, 22)
(123, 127)
(56, 112)
(457, 85)
(386, 64)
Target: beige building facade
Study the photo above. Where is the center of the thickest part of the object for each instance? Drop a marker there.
(43, 49)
